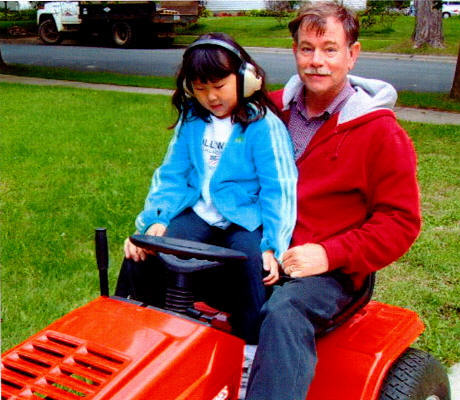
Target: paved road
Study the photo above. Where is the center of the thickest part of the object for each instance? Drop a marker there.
(430, 74)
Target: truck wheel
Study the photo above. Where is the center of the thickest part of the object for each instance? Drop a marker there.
(122, 34)
(416, 375)
(48, 32)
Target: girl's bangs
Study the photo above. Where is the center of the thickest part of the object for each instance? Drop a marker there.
(209, 65)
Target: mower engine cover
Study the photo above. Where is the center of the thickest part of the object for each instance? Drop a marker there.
(119, 350)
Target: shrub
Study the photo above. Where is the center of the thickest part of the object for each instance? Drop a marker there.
(23, 15)
(280, 10)
(378, 12)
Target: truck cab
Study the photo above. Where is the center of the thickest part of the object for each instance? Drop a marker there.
(56, 17)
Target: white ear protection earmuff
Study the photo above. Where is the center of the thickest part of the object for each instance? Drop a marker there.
(187, 91)
(249, 81)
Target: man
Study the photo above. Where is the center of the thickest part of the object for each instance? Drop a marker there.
(358, 201)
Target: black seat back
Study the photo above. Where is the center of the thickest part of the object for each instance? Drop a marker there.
(363, 296)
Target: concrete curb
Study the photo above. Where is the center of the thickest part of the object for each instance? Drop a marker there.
(427, 116)
(82, 85)
(403, 113)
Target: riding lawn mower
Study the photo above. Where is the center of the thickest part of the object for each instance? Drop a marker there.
(121, 349)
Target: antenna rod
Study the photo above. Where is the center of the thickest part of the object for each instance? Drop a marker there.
(102, 257)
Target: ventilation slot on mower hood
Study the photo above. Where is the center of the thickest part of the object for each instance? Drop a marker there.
(54, 366)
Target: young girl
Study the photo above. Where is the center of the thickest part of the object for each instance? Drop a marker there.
(228, 178)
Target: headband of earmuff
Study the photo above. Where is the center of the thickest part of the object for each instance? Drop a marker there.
(249, 81)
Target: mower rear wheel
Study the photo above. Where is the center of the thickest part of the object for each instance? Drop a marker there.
(416, 375)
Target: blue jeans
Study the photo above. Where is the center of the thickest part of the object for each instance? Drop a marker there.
(285, 359)
(236, 287)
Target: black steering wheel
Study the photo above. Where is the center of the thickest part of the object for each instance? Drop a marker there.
(182, 257)
(189, 255)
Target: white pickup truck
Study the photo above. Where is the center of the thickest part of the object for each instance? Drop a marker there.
(124, 22)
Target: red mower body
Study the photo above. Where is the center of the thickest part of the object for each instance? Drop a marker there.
(113, 349)
(354, 359)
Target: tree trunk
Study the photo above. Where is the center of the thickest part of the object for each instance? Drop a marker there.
(455, 91)
(3, 65)
(428, 24)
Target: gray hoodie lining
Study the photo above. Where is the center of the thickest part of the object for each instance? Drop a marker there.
(371, 95)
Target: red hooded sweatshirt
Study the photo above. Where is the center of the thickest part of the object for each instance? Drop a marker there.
(357, 190)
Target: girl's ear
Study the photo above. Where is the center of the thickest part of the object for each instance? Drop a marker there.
(187, 91)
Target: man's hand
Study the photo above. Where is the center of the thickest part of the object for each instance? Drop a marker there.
(271, 265)
(306, 260)
(137, 253)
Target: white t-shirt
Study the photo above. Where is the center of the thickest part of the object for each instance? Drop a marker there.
(215, 138)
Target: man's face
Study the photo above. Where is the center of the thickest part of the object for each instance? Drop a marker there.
(324, 61)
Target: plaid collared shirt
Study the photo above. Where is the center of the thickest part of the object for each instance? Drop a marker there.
(302, 128)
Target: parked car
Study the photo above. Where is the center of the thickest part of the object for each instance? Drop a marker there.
(450, 8)
(410, 10)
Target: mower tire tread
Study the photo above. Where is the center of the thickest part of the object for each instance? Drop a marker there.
(416, 375)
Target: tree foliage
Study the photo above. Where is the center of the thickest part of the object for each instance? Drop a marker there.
(281, 10)
(378, 12)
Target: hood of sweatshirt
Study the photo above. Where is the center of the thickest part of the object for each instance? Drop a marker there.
(371, 95)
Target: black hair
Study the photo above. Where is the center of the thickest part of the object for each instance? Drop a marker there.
(211, 63)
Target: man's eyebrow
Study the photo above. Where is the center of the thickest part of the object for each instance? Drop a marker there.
(327, 43)
(331, 42)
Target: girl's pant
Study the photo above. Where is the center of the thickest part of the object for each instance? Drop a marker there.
(236, 287)
(285, 359)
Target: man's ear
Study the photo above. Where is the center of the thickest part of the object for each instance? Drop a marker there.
(294, 47)
(355, 49)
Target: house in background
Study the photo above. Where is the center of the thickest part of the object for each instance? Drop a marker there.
(246, 5)
(17, 5)
(355, 4)
(234, 5)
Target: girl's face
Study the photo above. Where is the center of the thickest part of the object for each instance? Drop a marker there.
(219, 97)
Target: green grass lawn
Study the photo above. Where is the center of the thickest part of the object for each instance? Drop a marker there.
(73, 160)
(437, 101)
(91, 76)
(267, 32)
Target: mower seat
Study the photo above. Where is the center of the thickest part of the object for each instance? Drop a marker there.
(363, 296)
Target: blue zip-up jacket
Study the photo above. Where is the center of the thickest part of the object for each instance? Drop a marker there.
(254, 183)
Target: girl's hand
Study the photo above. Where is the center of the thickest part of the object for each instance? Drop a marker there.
(156, 230)
(137, 253)
(270, 265)
(133, 252)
